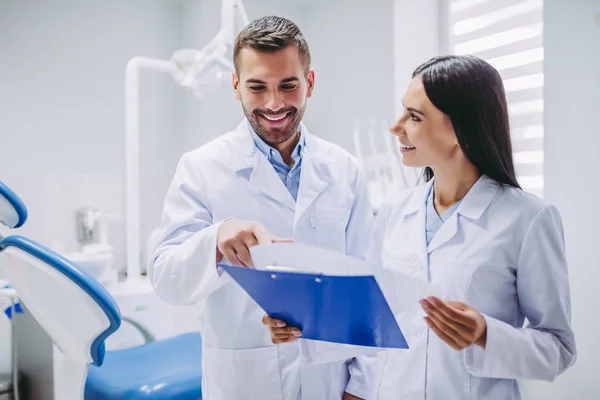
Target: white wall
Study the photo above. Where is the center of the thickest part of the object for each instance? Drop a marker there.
(62, 77)
(352, 51)
(417, 38)
(206, 118)
(571, 143)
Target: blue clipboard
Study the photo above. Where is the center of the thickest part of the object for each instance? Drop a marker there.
(340, 309)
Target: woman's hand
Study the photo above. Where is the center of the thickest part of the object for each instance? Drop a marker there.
(456, 323)
(280, 332)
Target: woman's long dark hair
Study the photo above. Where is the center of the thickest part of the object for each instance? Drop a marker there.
(471, 93)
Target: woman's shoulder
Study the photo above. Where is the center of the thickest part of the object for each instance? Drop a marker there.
(521, 201)
(405, 201)
(525, 209)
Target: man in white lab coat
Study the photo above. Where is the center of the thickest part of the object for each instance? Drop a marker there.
(267, 179)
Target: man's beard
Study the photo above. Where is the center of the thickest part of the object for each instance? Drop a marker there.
(273, 136)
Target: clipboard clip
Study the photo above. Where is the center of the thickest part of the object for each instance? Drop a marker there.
(282, 268)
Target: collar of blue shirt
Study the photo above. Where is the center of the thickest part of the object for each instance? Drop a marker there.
(273, 155)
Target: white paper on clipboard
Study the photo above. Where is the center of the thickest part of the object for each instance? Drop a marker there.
(402, 292)
(295, 257)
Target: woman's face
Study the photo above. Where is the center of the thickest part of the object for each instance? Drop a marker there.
(427, 137)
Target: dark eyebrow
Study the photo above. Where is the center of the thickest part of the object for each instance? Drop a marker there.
(411, 109)
(415, 110)
(286, 80)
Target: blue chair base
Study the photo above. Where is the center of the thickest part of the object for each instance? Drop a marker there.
(165, 369)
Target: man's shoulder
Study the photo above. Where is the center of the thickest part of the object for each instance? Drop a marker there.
(216, 149)
(324, 148)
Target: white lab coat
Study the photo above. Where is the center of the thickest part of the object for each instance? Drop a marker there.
(502, 252)
(230, 178)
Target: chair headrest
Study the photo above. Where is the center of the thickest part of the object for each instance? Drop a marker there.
(37, 288)
(13, 212)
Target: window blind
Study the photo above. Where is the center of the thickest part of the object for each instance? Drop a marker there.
(509, 35)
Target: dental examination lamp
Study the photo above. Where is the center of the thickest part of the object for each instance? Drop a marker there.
(193, 69)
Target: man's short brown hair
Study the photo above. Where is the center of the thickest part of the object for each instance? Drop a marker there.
(270, 34)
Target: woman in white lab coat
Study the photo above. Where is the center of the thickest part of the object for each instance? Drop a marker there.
(496, 252)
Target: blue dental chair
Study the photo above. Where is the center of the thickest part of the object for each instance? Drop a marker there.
(79, 314)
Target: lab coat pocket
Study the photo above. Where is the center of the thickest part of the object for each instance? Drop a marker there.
(331, 223)
(454, 277)
(242, 374)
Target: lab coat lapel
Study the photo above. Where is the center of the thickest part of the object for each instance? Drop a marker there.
(315, 174)
(445, 233)
(473, 206)
(265, 178)
(251, 164)
(417, 237)
(416, 209)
